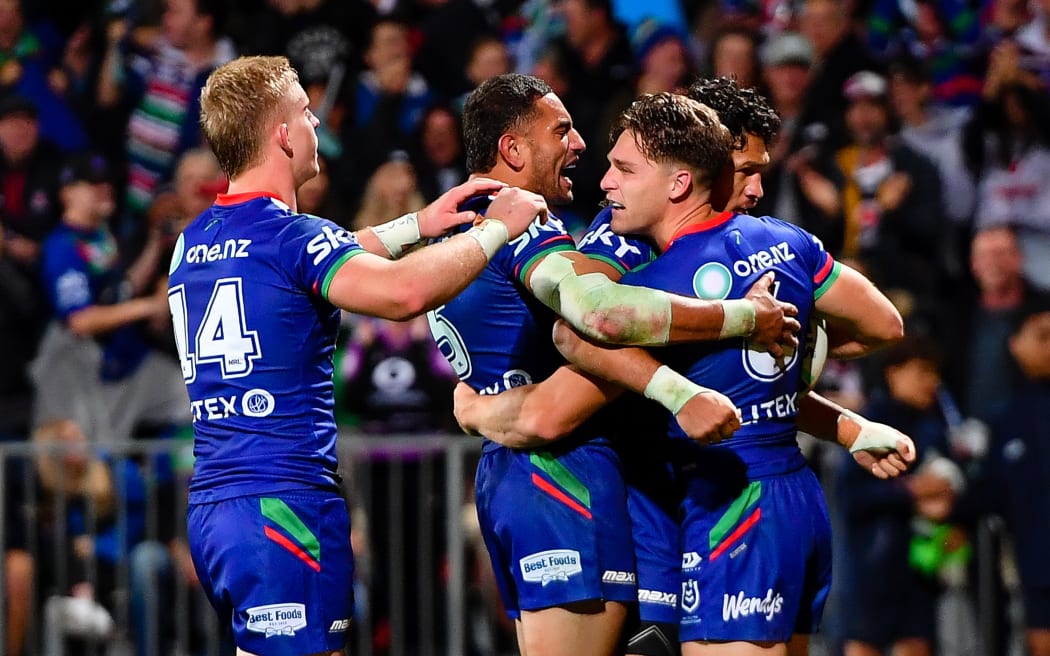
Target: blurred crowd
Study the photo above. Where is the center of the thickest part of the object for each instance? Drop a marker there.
(915, 145)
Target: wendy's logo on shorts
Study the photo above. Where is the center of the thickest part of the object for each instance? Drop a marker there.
(551, 566)
(276, 619)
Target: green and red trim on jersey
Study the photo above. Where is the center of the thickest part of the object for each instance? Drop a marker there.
(826, 276)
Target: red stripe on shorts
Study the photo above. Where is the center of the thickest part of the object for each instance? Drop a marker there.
(539, 482)
(736, 535)
(291, 546)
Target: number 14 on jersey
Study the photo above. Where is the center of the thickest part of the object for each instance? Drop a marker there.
(221, 334)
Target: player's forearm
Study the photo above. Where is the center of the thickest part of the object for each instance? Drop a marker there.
(504, 418)
(630, 315)
(418, 282)
(819, 417)
(98, 319)
(630, 368)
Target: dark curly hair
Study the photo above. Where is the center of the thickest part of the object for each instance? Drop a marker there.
(743, 111)
(497, 106)
(671, 128)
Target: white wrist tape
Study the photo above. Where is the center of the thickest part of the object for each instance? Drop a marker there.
(492, 234)
(738, 318)
(873, 436)
(400, 234)
(671, 389)
(599, 308)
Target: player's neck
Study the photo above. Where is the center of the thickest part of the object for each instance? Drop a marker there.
(678, 218)
(259, 180)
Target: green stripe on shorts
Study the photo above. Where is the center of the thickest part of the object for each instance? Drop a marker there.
(545, 461)
(731, 517)
(279, 513)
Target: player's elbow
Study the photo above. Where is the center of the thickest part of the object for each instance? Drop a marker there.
(406, 302)
(887, 330)
(543, 428)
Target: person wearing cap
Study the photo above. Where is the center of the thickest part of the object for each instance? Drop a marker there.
(888, 199)
(94, 365)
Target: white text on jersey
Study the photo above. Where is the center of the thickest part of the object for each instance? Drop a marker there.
(229, 249)
(326, 240)
(764, 259)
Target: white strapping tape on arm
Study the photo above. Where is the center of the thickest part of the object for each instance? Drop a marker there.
(600, 308)
(873, 436)
(671, 389)
(492, 234)
(399, 235)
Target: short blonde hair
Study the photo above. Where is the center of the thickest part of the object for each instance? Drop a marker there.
(239, 103)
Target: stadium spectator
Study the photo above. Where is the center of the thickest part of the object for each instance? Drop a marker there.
(889, 196)
(438, 157)
(936, 130)
(23, 315)
(389, 102)
(488, 58)
(29, 164)
(94, 363)
(1008, 146)
(448, 31)
(896, 608)
(734, 54)
(391, 191)
(840, 53)
(982, 375)
(1012, 482)
(787, 71)
(31, 52)
(943, 34)
(160, 85)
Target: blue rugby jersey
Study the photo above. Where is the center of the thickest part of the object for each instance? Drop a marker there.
(622, 253)
(255, 334)
(495, 334)
(722, 259)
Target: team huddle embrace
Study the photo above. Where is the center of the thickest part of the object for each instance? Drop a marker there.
(641, 489)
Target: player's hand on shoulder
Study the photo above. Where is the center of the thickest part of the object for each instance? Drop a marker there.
(517, 209)
(775, 324)
(443, 214)
(709, 417)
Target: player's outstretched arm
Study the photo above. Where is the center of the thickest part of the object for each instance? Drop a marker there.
(395, 238)
(705, 415)
(533, 415)
(878, 448)
(422, 280)
(860, 317)
(570, 284)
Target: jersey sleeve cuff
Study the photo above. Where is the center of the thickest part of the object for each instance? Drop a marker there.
(332, 270)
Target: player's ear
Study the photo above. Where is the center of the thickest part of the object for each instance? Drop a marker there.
(286, 142)
(681, 184)
(512, 151)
